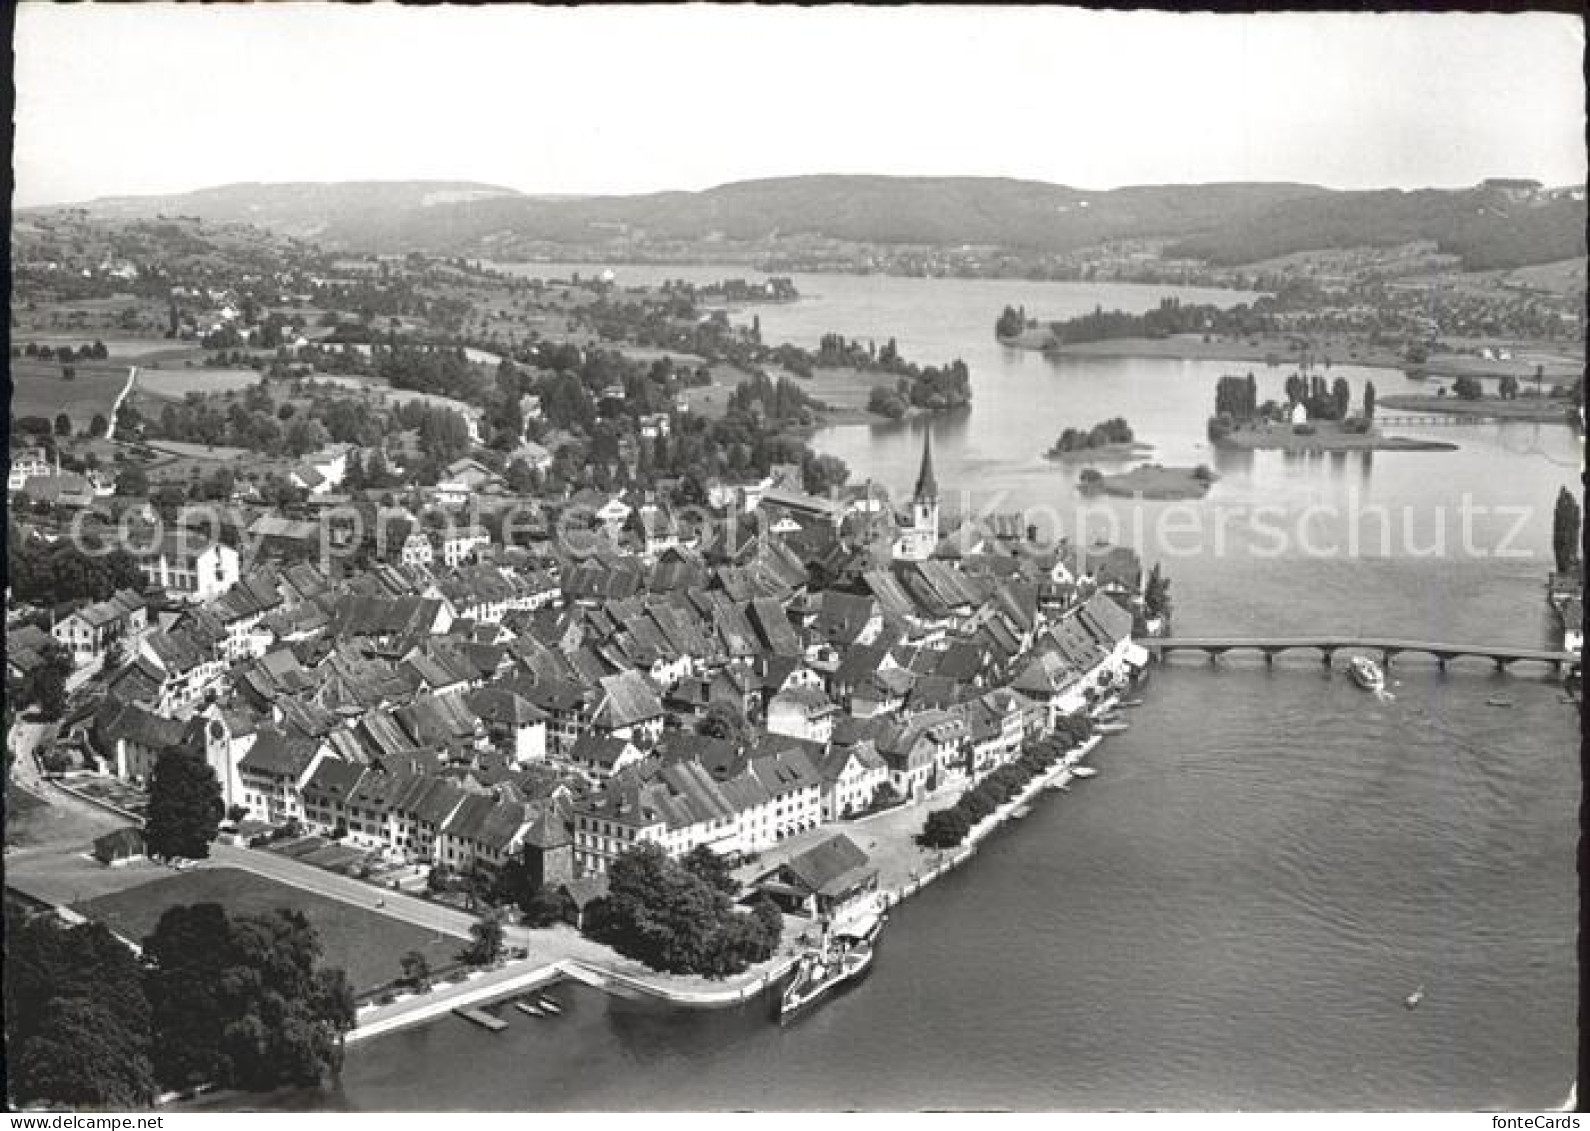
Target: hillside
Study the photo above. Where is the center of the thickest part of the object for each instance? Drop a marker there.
(1487, 227)
(306, 209)
(1490, 226)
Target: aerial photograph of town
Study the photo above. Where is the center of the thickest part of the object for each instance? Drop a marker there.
(729, 558)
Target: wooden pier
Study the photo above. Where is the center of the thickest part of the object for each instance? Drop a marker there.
(482, 1018)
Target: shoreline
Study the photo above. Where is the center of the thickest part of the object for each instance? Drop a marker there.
(1276, 353)
(483, 989)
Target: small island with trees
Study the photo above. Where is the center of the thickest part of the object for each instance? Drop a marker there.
(1111, 437)
(1315, 418)
(1150, 481)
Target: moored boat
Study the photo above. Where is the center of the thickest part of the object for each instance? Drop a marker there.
(529, 1007)
(842, 957)
(549, 1006)
(1115, 727)
(1366, 673)
(1083, 771)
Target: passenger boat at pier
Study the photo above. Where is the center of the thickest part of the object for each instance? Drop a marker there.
(842, 956)
(1366, 673)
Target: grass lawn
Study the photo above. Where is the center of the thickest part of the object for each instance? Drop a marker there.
(39, 390)
(173, 383)
(370, 947)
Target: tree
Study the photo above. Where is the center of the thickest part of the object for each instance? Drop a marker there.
(1467, 388)
(1565, 530)
(945, 828)
(243, 1002)
(77, 1022)
(1341, 397)
(185, 806)
(63, 424)
(1369, 400)
(416, 970)
(133, 481)
(1156, 594)
(723, 720)
(486, 936)
(99, 425)
(709, 867)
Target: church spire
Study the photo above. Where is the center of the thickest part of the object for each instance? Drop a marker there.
(927, 488)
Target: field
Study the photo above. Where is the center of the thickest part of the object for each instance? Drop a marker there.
(368, 946)
(174, 383)
(38, 390)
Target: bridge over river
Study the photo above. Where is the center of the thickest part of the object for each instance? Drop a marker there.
(1327, 646)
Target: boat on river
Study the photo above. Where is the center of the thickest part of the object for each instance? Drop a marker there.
(1412, 1000)
(1366, 673)
(843, 956)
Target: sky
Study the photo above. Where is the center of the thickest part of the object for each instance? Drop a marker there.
(155, 98)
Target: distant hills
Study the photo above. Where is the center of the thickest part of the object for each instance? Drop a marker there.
(1498, 224)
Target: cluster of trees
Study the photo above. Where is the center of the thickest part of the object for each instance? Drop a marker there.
(77, 1022)
(48, 573)
(94, 352)
(948, 827)
(1468, 388)
(235, 1001)
(1113, 431)
(1332, 402)
(1011, 322)
(243, 1001)
(1565, 530)
(679, 916)
(1237, 397)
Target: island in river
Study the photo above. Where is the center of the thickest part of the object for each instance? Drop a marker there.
(1322, 436)
(1538, 410)
(1150, 481)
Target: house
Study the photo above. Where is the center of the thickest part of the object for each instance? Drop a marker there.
(455, 545)
(627, 707)
(25, 465)
(794, 783)
(131, 737)
(603, 755)
(1299, 413)
(89, 631)
(802, 712)
(1573, 626)
(482, 835)
(273, 773)
(850, 777)
(187, 565)
(62, 489)
(822, 881)
(514, 725)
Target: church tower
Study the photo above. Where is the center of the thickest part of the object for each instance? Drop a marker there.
(918, 541)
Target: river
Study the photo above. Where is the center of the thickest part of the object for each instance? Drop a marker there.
(1231, 913)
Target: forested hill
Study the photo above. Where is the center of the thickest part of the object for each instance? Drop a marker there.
(1487, 226)
(1490, 226)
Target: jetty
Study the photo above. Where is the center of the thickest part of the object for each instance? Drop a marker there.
(1270, 647)
(482, 1018)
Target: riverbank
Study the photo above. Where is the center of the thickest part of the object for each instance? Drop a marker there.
(1152, 481)
(1539, 410)
(1556, 368)
(905, 868)
(1326, 436)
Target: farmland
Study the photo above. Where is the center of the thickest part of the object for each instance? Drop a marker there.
(368, 946)
(38, 389)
